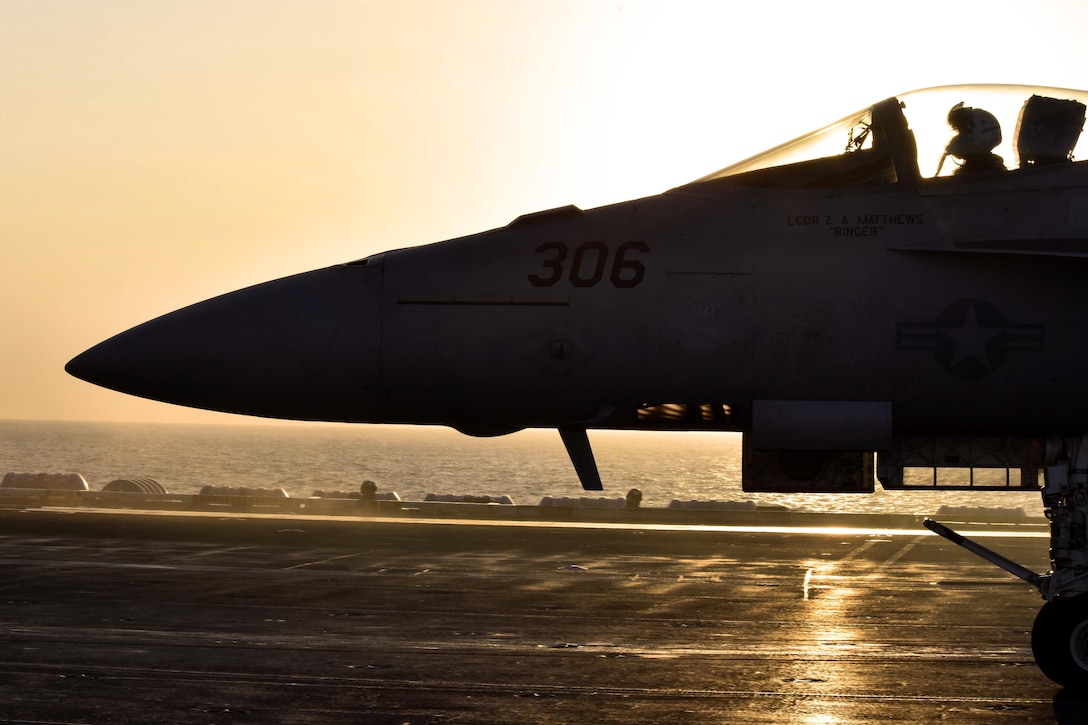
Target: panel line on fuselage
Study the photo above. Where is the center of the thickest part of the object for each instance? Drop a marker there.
(482, 301)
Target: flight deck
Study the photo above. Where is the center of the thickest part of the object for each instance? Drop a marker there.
(215, 617)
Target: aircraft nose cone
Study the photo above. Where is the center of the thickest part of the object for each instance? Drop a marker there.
(303, 347)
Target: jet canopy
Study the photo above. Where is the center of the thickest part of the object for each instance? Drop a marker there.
(936, 132)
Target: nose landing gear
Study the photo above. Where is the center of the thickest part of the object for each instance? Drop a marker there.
(1059, 640)
(1059, 636)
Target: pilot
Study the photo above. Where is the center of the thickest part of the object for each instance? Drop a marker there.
(977, 133)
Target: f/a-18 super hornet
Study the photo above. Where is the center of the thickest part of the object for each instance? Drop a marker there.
(894, 297)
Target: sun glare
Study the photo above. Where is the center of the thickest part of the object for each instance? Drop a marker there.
(293, 137)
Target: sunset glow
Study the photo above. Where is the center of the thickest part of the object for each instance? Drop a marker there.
(159, 153)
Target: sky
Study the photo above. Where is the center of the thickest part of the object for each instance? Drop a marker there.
(155, 153)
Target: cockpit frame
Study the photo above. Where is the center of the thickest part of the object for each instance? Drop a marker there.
(879, 147)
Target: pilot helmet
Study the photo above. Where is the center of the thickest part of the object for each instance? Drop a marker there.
(977, 131)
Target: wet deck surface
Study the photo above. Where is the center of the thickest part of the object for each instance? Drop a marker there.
(187, 619)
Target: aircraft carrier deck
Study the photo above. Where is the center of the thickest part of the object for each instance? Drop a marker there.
(227, 617)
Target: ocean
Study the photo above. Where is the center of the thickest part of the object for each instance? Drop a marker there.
(415, 461)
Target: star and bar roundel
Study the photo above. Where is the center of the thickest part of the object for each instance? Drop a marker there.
(971, 338)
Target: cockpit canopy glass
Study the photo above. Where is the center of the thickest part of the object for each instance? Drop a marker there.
(1037, 126)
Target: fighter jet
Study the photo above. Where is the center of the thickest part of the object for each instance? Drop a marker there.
(899, 296)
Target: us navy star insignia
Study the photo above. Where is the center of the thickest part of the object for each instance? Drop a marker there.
(971, 338)
(971, 341)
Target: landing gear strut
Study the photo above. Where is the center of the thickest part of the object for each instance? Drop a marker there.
(1059, 637)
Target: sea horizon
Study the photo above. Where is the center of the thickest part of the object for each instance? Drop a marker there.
(413, 461)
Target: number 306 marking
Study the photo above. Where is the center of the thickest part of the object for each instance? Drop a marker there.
(589, 263)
